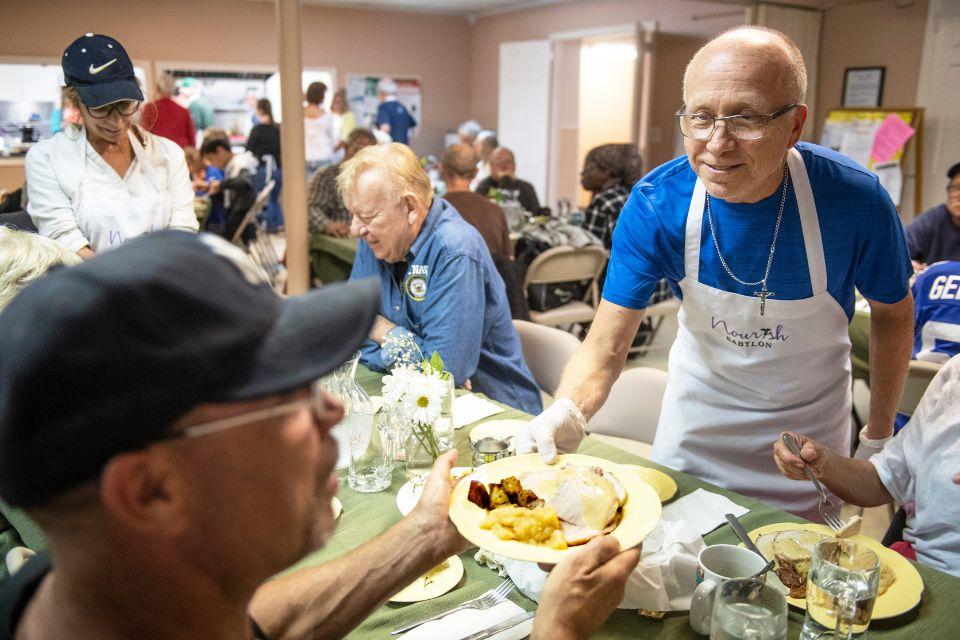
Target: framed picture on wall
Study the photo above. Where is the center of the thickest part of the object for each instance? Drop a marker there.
(863, 86)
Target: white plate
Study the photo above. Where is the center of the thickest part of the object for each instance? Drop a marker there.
(409, 494)
(337, 507)
(434, 583)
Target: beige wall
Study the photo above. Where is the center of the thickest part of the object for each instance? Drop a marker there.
(232, 31)
(679, 37)
(871, 34)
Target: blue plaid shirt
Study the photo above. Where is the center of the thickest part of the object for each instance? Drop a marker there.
(452, 300)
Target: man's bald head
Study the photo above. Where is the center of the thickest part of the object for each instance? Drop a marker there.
(775, 51)
(459, 160)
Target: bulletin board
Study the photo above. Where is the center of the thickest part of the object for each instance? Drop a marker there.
(863, 134)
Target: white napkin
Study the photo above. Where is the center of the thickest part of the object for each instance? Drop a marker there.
(461, 624)
(470, 408)
(663, 581)
(703, 510)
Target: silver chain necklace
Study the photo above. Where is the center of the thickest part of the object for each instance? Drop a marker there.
(763, 294)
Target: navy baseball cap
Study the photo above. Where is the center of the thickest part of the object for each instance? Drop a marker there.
(99, 68)
(106, 356)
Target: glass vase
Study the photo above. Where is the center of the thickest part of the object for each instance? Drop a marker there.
(444, 425)
(421, 451)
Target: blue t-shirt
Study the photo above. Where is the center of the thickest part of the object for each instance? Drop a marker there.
(936, 294)
(218, 210)
(863, 240)
(451, 299)
(399, 119)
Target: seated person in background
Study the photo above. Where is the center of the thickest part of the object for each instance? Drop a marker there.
(609, 172)
(327, 213)
(483, 146)
(934, 235)
(936, 327)
(170, 511)
(918, 465)
(24, 257)
(236, 186)
(503, 182)
(457, 167)
(438, 283)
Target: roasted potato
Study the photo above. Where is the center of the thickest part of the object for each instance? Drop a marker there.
(512, 486)
(527, 499)
(478, 495)
(498, 496)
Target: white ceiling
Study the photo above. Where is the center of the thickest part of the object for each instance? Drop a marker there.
(481, 7)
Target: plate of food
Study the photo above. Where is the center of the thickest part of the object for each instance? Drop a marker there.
(522, 508)
(790, 545)
(664, 485)
(434, 583)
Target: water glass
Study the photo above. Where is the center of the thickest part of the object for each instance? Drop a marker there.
(371, 457)
(748, 609)
(444, 424)
(841, 590)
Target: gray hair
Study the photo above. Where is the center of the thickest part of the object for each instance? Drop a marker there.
(488, 139)
(470, 128)
(387, 86)
(166, 84)
(795, 71)
(25, 257)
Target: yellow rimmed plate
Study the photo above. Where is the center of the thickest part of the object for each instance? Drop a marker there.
(664, 485)
(641, 512)
(433, 583)
(902, 596)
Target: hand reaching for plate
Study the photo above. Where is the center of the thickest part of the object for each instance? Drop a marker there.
(583, 590)
(560, 427)
(431, 513)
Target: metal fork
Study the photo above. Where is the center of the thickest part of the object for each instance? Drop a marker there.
(487, 600)
(829, 511)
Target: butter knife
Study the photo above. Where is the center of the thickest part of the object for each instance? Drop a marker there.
(748, 543)
(509, 623)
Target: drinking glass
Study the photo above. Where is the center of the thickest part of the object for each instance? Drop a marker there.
(748, 609)
(371, 456)
(841, 590)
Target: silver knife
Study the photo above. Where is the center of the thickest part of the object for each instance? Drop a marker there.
(509, 623)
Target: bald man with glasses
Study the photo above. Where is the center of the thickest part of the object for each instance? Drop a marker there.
(764, 239)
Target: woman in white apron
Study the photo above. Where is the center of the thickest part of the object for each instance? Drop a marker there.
(108, 181)
(726, 403)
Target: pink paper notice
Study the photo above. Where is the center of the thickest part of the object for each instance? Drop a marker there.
(890, 137)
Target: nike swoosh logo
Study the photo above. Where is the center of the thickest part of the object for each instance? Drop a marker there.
(95, 70)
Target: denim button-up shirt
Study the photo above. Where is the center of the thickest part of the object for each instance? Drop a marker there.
(452, 300)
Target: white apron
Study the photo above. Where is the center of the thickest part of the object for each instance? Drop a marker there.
(737, 379)
(106, 211)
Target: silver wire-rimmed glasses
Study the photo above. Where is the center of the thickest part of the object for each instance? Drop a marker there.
(700, 126)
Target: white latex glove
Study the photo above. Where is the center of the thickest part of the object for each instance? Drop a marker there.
(560, 427)
(869, 446)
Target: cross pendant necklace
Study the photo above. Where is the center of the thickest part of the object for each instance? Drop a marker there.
(763, 294)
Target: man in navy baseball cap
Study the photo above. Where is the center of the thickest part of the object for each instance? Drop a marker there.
(99, 68)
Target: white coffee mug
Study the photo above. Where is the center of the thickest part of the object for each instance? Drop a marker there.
(716, 565)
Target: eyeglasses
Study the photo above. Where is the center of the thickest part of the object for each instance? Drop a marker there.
(123, 107)
(315, 402)
(701, 126)
(953, 188)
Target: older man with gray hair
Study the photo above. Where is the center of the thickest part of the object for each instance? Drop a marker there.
(765, 239)
(438, 284)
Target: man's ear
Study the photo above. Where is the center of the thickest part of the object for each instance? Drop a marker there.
(412, 204)
(799, 118)
(142, 491)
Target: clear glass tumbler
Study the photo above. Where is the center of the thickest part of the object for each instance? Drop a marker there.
(748, 609)
(841, 590)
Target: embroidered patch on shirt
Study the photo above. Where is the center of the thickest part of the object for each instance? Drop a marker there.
(416, 286)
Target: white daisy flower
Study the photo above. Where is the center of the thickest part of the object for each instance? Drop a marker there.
(421, 402)
(396, 384)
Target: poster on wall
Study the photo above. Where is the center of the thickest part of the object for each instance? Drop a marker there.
(363, 99)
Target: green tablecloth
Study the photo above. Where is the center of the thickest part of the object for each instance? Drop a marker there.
(332, 258)
(366, 515)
